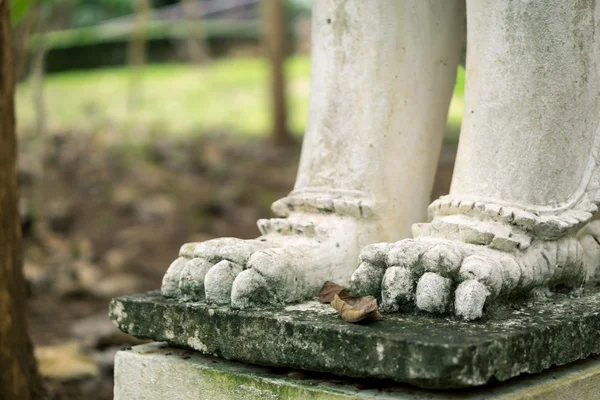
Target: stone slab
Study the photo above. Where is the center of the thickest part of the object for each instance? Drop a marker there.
(157, 372)
(423, 350)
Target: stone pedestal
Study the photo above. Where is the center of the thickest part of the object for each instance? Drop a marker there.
(419, 349)
(157, 372)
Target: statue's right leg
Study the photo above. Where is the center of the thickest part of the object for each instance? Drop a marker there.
(382, 76)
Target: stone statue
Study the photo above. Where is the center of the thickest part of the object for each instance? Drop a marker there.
(526, 182)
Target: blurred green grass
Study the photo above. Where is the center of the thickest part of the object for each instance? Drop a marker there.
(181, 99)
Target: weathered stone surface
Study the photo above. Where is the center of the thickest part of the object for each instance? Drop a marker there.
(157, 372)
(419, 349)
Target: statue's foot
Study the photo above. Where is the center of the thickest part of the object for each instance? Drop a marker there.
(461, 263)
(288, 263)
(589, 237)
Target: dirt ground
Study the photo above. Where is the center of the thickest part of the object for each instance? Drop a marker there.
(108, 220)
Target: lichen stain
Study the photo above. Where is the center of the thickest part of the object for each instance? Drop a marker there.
(196, 344)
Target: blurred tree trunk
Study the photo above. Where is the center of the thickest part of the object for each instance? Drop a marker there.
(18, 371)
(137, 52)
(196, 48)
(274, 37)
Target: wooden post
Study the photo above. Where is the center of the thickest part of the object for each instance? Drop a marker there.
(274, 39)
(18, 372)
(196, 47)
(136, 54)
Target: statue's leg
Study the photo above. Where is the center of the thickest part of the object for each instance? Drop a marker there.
(526, 177)
(381, 81)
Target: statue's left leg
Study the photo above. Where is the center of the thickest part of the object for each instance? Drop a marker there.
(526, 178)
(381, 80)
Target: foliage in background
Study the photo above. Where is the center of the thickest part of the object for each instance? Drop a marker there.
(18, 9)
(296, 8)
(86, 33)
(91, 12)
(82, 12)
(86, 13)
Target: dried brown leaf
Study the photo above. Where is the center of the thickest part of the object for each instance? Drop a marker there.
(356, 309)
(331, 289)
